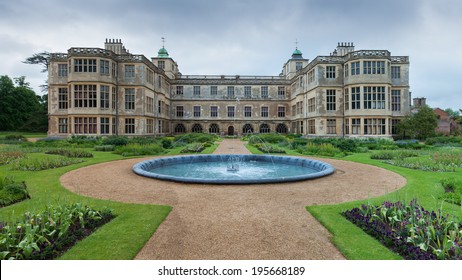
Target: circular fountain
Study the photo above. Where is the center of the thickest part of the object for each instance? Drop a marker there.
(233, 169)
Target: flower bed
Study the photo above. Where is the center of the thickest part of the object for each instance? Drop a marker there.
(72, 153)
(424, 164)
(394, 154)
(445, 160)
(47, 234)
(410, 230)
(37, 164)
(7, 157)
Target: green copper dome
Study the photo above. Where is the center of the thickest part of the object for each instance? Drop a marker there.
(162, 53)
(297, 54)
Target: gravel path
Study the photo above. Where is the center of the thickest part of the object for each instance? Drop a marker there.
(235, 222)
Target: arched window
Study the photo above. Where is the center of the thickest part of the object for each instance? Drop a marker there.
(197, 128)
(247, 128)
(179, 128)
(281, 128)
(214, 128)
(264, 128)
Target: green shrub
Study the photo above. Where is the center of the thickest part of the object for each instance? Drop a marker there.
(409, 144)
(195, 138)
(362, 150)
(139, 150)
(272, 138)
(47, 234)
(444, 140)
(323, 149)
(104, 148)
(268, 148)
(294, 136)
(166, 143)
(12, 191)
(378, 144)
(85, 141)
(451, 184)
(193, 148)
(37, 164)
(72, 153)
(115, 140)
(142, 140)
(454, 198)
(298, 142)
(453, 190)
(346, 145)
(10, 156)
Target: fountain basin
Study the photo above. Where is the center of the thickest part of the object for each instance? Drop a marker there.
(214, 169)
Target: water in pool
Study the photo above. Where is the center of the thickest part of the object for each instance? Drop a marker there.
(247, 169)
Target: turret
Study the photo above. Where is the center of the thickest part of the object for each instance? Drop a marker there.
(165, 62)
(294, 64)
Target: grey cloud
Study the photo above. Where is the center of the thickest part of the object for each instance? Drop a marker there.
(245, 36)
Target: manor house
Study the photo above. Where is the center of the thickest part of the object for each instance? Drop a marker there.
(110, 91)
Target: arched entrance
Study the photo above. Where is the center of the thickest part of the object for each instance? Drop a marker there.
(230, 130)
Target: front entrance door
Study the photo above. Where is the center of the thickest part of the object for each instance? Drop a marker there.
(231, 130)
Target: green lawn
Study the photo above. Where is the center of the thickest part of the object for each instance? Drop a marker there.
(25, 134)
(122, 238)
(357, 245)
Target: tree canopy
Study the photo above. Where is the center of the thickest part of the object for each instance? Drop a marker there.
(20, 108)
(453, 113)
(42, 59)
(420, 125)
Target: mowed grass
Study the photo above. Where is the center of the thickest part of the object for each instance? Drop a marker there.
(357, 245)
(25, 134)
(121, 238)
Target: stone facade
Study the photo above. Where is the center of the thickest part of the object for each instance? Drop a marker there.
(108, 91)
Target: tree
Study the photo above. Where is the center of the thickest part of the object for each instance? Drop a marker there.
(453, 113)
(43, 59)
(20, 105)
(420, 125)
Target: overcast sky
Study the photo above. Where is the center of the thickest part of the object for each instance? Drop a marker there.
(242, 36)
